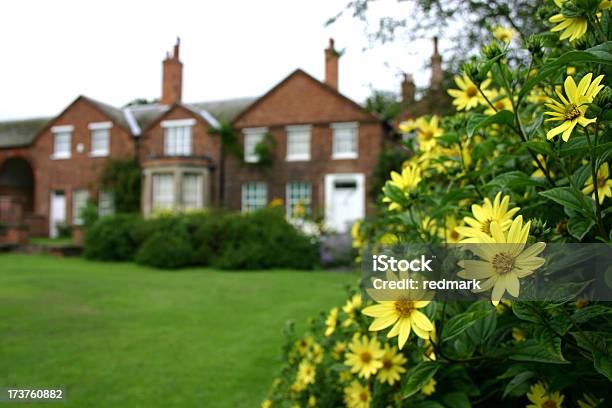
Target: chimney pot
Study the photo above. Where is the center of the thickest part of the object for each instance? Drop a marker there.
(408, 89)
(436, 67)
(331, 65)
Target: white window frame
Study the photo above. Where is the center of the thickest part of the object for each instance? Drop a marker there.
(252, 137)
(79, 201)
(291, 202)
(62, 131)
(176, 144)
(259, 197)
(337, 153)
(169, 202)
(197, 201)
(294, 134)
(106, 203)
(99, 130)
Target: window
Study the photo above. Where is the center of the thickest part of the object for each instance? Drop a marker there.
(298, 198)
(344, 145)
(254, 196)
(100, 138)
(163, 191)
(177, 137)
(192, 190)
(62, 136)
(106, 203)
(79, 202)
(298, 143)
(252, 137)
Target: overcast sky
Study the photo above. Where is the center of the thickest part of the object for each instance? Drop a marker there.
(53, 51)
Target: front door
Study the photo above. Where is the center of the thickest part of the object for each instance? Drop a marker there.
(344, 200)
(57, 211)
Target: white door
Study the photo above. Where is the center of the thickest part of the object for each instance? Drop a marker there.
(344, 200)
(57, 211)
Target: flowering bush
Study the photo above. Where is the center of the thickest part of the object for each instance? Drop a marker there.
(523, 161)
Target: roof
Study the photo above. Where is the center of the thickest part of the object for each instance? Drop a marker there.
(18, 133)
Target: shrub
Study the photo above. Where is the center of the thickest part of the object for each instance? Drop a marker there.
(110, 238)
(166, 249)
(123, 177)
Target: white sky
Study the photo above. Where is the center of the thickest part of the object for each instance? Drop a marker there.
(111, 50)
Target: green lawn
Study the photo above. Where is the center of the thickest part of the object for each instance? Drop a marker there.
(120, 335)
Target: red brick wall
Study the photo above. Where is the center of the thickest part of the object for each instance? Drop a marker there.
(302, 100)
(80, 171)
(152, 142)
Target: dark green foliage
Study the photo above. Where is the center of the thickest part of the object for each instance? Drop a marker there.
(385, 104)
(89, 213)
(259, 240)
(388, 160)
(265, 151)
(110, 238)
(122, 177)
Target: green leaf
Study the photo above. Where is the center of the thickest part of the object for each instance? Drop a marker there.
(395, 194)
(600, 55)
(603, 152)
(575, 147)
(476, 122)
(417, 377)
(458, 194)
(530, 350)
(514, 180)
(456, 400)
(532, 129)
(525, 311)
(603, 364)
(483, 328)
(517, 381)
(539, 147)
(572, 199)
(579, 226)
(459, 323)
(587, 313)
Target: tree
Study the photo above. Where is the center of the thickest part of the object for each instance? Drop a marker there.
(425, 18)
(122, 177)
(229, 145)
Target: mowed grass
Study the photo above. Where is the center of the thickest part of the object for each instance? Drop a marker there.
(121, 335)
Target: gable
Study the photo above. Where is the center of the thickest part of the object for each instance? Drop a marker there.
(301, 98)
(178, 112)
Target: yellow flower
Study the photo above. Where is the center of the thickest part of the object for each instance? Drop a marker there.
(504, 34)
(345, 376)
(312, 401)
(388, 239)
(518, 335)
(589, 401)
(406, 181)
(450, 234)
(303, 345)
(391, 369)
(604, 184)
(573, 27)
(276, 202)
(539, 173)
(571, 111)
(467, 96)
(266, 404)
(407, 126)
(338, 350)
(306, 373)
(357, 396)
(429, 387)
(503, 259)
(541, 398)
(331, 321)
(351, 306)
(483, 217)
(358, 240)
(499, 101)
(364, 356)
(428, 131)
(404, 315)
(316, 353)
(570, 71)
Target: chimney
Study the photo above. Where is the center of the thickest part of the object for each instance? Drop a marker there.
(172, 82)
(436, 67)
(331, 65)
(408, 89)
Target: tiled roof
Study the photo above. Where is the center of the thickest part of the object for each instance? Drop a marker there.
(18, 133)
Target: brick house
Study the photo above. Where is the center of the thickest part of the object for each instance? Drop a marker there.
(326, 147)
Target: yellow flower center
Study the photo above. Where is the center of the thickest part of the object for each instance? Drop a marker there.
(485, 226)
(363, 396)
(387, 363)
(503, 263)
(549, 404)
(454, 235)
(427, 134)
(571, 112)
(499, 105)
(366, 357)
(404, 307)
(471, 91)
